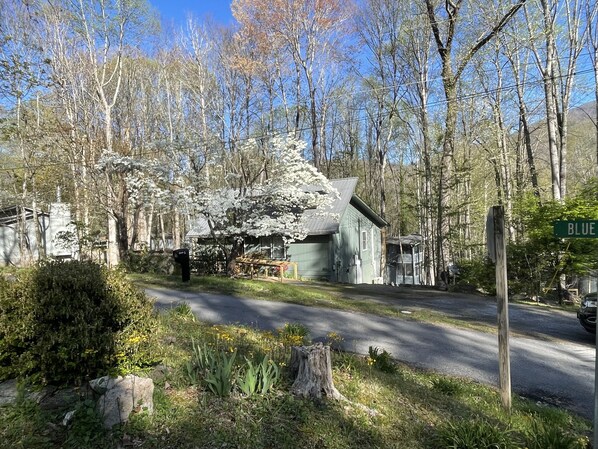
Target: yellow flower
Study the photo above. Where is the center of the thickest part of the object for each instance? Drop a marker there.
(268, 335)
(134, 340)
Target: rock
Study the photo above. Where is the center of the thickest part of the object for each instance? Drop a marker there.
(8, 392)
(61, 399)
(121, 396)
(68, 418)
(519, 297)
(160, 373)
(99, 385)
(49, 398)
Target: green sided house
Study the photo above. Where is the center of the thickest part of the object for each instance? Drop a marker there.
(343, 243)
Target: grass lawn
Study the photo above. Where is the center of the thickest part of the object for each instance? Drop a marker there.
(388, 405)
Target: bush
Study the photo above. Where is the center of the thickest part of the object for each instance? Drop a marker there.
(477, 272)
(65, 322)
(447, 386)
(208, 259)
(149, 262)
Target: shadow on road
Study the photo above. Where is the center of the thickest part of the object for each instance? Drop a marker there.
(558, 372)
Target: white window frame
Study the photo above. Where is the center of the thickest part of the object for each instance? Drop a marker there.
(363, 242)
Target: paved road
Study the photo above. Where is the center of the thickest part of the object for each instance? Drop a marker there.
(561, 373)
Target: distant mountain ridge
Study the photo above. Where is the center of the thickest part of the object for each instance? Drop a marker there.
(584, 112)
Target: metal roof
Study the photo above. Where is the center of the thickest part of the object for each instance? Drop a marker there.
(10, 215)
(411, 239)
(327, 221)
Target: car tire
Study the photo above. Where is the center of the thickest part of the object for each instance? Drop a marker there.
(589, 327)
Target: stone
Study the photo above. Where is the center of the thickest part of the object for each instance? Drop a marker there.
(8, 392)
(49, 398)
(61, 398)
(122, 396)
(68, 418)
(99, 385)
(160, 373)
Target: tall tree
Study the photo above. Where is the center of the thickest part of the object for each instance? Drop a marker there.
(445, 22)
(591, 15)
(563, 36)
(517, 56)
(415, 54)
(23, 75)
(104, 28)
(310, 33)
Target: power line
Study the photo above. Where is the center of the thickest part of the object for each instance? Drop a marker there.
(281, 132)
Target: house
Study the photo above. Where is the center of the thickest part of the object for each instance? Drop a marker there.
(404, 258)
(18, 232)
(343, 243)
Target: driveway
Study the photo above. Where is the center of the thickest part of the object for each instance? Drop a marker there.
(536, 320)
(558, 373)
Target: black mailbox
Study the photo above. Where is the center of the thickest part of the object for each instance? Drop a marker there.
(181, 256)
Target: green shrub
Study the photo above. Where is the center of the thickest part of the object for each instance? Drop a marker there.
(474, 434)
(219, 378)
(149, 262)
(184, 311)
(208, 259)
(216, 369)
(87, 429)
(202, 360)
(65, 322)
(479, 273)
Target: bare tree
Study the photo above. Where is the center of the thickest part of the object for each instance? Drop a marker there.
(103, 27)
(415, 53)
(444, 23)
(22, 76)
(563, 38)
(309, 32)
(591, 14)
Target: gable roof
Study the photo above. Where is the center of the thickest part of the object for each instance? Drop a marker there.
(318, 222)
(11, 215)
(327, 221)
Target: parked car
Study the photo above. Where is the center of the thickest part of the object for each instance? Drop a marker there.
(587, 312)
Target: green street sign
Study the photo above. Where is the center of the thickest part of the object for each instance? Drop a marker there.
(576, 229)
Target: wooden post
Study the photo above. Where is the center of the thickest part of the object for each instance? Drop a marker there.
(502, 306)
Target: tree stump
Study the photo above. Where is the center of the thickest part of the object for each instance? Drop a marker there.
(312, 368)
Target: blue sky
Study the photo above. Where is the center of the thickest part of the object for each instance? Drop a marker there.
(177, 10)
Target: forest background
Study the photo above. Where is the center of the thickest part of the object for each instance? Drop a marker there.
(442, 109)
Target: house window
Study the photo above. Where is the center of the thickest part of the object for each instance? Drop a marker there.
(273, 247)
(364, 240)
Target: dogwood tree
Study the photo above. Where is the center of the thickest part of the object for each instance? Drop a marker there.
(277, 200)
(279, 205)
